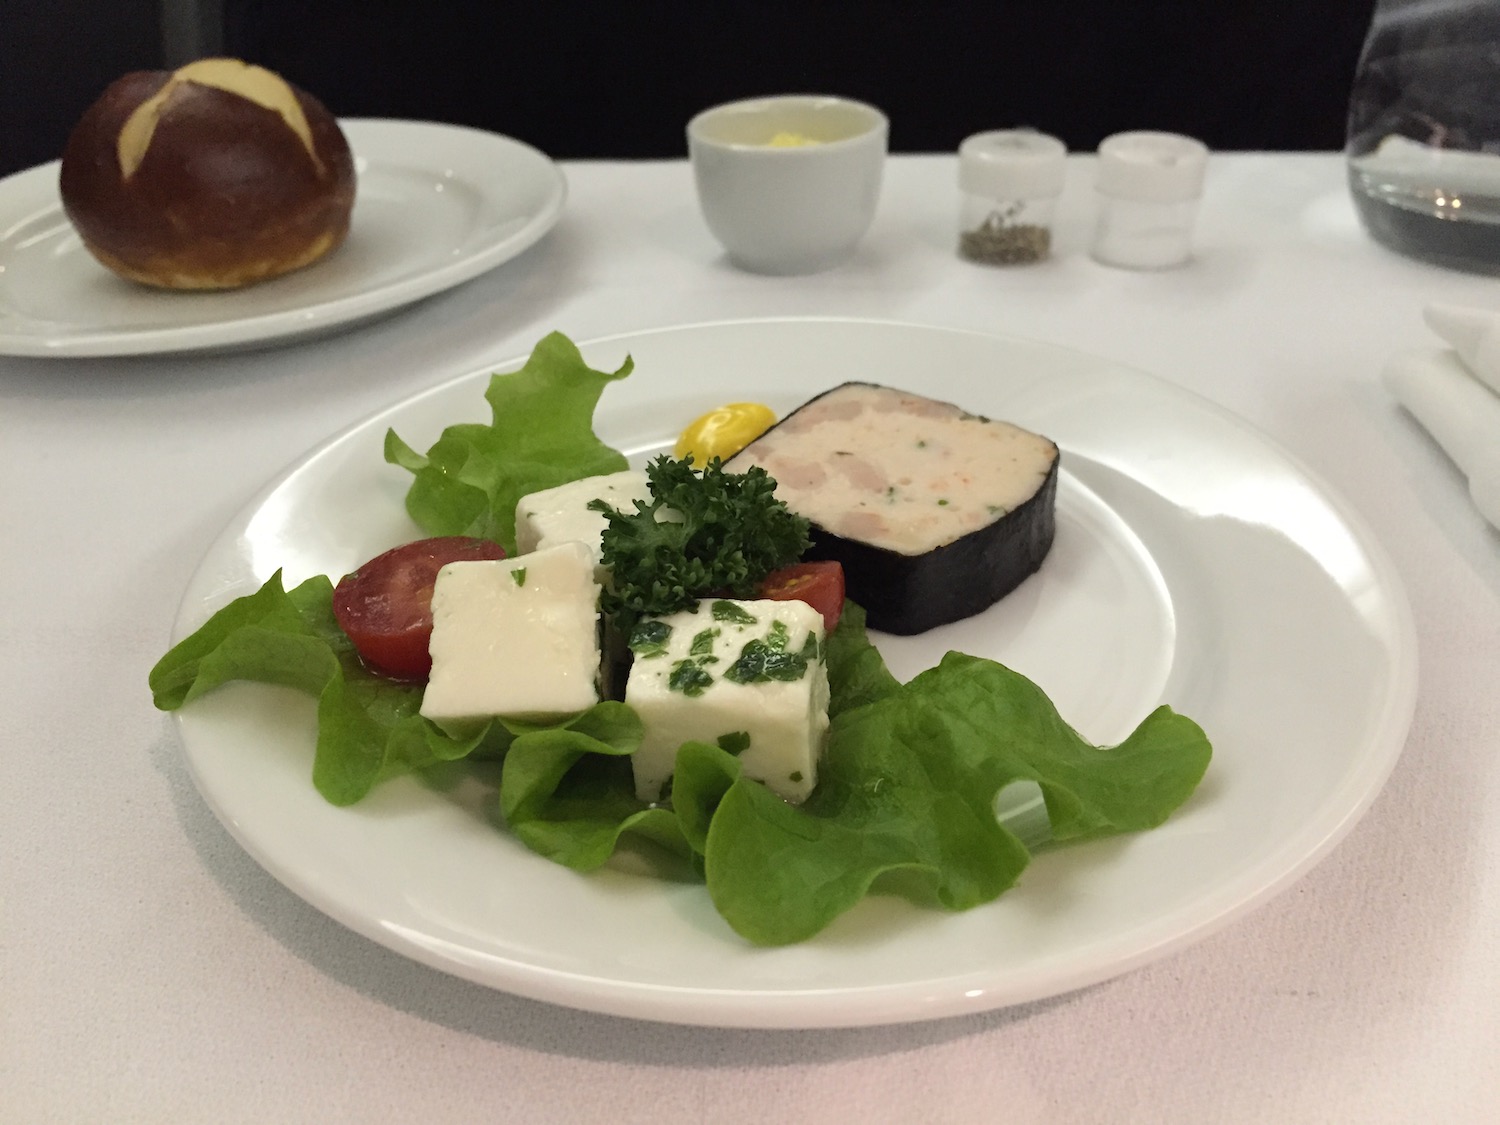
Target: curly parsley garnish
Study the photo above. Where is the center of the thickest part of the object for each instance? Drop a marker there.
(704, 532)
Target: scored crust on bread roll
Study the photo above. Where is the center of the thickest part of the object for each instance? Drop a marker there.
(213, 176)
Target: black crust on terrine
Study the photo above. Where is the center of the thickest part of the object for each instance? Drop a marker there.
(906, 594)
(911, 593)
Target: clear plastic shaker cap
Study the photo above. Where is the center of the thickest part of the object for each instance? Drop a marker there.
(1152, 167)
(1011, 164)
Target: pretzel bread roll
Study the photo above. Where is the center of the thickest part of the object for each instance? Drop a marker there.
(213, 176)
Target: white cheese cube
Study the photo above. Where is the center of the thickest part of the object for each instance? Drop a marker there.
(515, 637)
(749, 676)
(560, 515)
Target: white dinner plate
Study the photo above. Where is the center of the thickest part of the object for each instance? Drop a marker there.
(436, 205)
(1195, 564)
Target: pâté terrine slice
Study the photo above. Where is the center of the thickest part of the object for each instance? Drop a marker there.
(935, 512)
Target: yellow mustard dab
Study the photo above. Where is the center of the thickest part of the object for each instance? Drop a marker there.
(723, 432)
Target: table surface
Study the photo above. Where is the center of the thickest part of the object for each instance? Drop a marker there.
(151, 971)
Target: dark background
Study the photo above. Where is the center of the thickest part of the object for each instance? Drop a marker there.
(597, 79)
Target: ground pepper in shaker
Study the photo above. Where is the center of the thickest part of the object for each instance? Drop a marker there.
(1148, 186)
(1010, 180)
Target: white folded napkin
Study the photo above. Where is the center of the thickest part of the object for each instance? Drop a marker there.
(1455, 394)
(1474, 334)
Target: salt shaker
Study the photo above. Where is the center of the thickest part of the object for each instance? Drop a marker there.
(1149, 184)
(1010, 180)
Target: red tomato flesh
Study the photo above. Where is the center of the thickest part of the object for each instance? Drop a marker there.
(385, 606)
(819, 584)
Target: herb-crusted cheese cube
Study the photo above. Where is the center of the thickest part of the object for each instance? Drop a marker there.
(515, 637)
(560, 515)
(748, 676)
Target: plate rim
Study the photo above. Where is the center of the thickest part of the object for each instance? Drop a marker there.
(883, 1004)
(366, 135)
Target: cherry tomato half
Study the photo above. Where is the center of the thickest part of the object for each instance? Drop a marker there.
(386, 605)
(819, 584)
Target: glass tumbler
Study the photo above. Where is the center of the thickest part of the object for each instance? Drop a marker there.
(1423, 145)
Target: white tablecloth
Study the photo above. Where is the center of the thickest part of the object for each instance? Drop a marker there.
(151, 971)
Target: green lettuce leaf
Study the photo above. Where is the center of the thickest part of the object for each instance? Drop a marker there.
(780, 873)
(905, 798)
(888, 810)
(856, 672)
(906, 794)
(541, 436)
(1000, 727)
(271, 636)
(567, 791)
(368, 726)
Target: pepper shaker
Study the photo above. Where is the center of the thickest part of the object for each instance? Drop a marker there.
(1148, 188)
(1010, 180)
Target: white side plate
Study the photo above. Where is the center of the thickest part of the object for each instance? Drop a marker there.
(1195, 564)
(436, 205)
